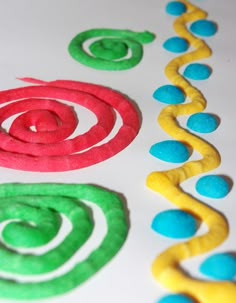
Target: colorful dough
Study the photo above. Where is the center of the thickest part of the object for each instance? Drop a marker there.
(47, 149)
(176, 45)
(212, 186)
(169, 94)
(175, 299)
(110, 50)
(167, 266)
(36, 205)
(174, 223)
(202, 123)
(221, 266)
(197, 71)
(175, 8)
(203, 28)
(170, 151)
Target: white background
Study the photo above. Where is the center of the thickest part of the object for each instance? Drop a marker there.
(34, 38)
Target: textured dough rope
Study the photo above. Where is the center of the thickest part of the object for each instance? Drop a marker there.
(166, 267)
(110, 50)
(31, 210)
(48, 149)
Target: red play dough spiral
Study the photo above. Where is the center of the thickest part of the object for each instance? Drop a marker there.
(38, 137)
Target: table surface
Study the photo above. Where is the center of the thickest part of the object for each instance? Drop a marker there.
(34, 39)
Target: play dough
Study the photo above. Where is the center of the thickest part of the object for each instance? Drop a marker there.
(212, 186)
(166, 267)
(175, 8)
(221, 266)
(47, 149)
(110, 51)
(34, 205)
(170, 151)
(117, 181)
(204, 28)
(197, 71)
(202, 123)
(169, 94)
(175, 223)
(175, 299)
(176, 45)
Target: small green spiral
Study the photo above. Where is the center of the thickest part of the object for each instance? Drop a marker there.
(113, 50)
(34, 213)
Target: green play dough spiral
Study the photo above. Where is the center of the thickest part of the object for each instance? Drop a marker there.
(111, 49)
(36, 210)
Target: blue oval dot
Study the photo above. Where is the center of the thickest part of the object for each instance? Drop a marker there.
(220, 266)
(197, 71)
(204, 28)
(202, 123)
(175, 299)
(176, 45)
(170, 151)
(175, 8)
(212, 186)
(169, 94)
(176, 224)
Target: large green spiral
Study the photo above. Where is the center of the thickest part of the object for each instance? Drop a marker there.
(34, 213)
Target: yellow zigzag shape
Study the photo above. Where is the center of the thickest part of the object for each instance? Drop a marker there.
(166, 267)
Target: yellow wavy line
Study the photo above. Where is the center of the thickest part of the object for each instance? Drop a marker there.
(166, 267)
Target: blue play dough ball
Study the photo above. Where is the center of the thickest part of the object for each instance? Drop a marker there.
(175, 224)
(175, 8)
(212, 186)
(197, 71)
(175, 299)
(176, 45)
(204, 28)
(169, 94)
(170, 151)
(202, 123)
(220, 266)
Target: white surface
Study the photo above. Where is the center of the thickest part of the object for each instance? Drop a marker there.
(34, 37)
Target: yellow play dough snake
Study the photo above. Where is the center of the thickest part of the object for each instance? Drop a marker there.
(166, 267)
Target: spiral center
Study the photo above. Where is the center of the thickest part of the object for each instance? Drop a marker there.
(109, 49)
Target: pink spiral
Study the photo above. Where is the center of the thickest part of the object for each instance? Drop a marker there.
(38, 137)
